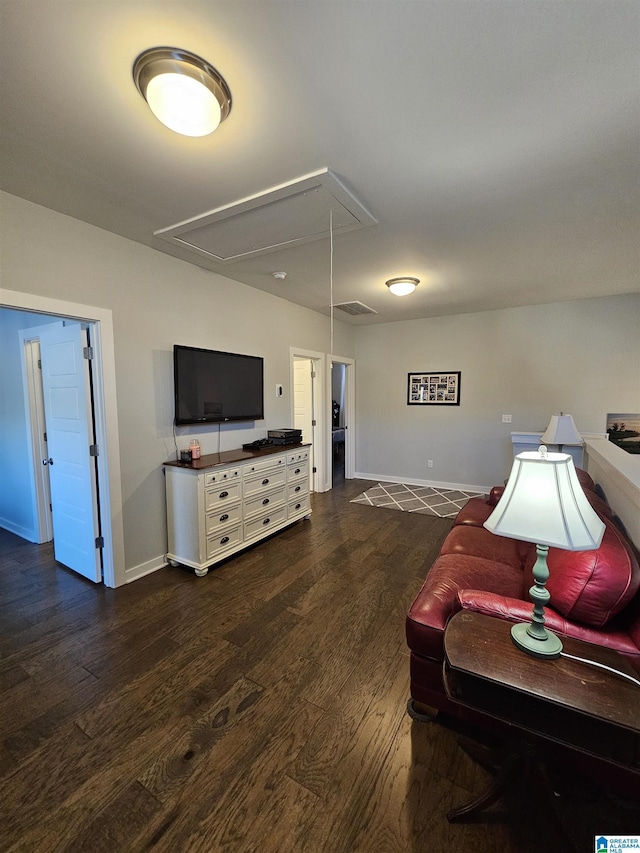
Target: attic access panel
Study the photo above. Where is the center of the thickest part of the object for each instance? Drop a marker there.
(284, 216)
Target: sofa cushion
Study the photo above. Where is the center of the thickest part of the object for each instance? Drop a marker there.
(585, 480)
(480, 542)
(592, 586)
(600, 505)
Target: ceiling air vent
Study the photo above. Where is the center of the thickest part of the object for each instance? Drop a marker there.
(354, 308)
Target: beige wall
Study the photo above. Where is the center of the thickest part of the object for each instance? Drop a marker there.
(580, 357)
(157, 301)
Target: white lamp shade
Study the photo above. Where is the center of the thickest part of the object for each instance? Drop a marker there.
(544, 503)
(561, 430)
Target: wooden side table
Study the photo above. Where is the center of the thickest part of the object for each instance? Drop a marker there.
(562, 701)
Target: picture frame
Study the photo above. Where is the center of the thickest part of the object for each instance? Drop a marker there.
(431, 388)
(623, 430)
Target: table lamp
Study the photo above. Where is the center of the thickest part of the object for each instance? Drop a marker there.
(544, 503)
(561, 430)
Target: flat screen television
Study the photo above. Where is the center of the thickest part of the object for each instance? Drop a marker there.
(213, 387)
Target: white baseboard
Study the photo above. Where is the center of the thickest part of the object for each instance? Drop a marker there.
(147, 568)
(23, 532)
(410, 481)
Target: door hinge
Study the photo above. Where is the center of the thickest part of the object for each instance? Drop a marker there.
(99, 541)
(45, 437)
(39, 364)
(87, 352)
(315, 470)
(314, 423)
(313, 374)
(93, 450)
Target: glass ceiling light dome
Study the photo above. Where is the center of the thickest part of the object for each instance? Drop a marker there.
(183, 91)
(402, 286)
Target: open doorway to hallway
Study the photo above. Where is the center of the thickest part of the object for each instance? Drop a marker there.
(342, 419)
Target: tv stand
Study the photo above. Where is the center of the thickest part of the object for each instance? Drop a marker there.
(224, 502)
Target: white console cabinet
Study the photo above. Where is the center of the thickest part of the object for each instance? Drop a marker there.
(221, 503)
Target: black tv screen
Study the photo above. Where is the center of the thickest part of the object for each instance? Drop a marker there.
(211, 386)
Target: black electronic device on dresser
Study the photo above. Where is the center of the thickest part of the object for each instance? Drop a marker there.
(258, 444)
(285, 436)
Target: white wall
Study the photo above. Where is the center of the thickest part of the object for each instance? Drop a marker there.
(157, 301)
(580, 357)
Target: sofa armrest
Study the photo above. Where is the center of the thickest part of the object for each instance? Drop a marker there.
(515, 610)
(492, 604)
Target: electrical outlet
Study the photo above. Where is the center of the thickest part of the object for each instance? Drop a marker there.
(506, 419)
(429, 463)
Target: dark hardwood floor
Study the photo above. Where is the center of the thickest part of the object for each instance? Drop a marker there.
(261, 708)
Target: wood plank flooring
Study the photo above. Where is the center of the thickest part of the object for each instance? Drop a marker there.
(261, 708)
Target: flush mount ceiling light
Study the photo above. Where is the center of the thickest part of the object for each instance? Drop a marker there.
(183, 91)
(402, 286)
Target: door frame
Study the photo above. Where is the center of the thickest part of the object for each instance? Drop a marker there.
(349, 411)
(321, 479)
(106, 417)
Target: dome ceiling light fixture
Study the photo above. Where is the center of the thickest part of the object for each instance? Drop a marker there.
(183, 91)
(402, 286)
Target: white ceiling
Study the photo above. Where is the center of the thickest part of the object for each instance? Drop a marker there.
(496, 144)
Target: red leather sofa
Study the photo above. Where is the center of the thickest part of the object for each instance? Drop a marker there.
(594, 594)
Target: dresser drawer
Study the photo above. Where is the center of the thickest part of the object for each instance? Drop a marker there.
(263, 503)
(260, 526)
(253, 468)
(298, 456)
(267, 481)
(223, 542)
(214, 477)
(227, 494)
(299, 471)
(296, 490)
(301, 506)
(217, 520)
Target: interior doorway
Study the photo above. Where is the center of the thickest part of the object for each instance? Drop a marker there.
(107, 463)
(303, 406)
(308, 409)
(60, 415)
(342, 419)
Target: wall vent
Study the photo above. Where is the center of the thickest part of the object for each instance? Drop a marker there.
(354, 308)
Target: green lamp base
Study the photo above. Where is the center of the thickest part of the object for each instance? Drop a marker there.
(544, 645)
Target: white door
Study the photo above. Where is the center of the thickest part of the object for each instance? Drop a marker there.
(72, 473)
(303, 412)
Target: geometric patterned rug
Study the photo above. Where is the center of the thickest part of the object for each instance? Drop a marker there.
(445, 503)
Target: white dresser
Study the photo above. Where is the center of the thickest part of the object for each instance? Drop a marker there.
(224, 502)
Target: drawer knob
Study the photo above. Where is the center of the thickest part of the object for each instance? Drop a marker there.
(224, 517)
(266, 521)
(265, 481)
(223, 495)
(297, 471)
(298, 506)
(224, 540)
(265, 501)
(297, 488)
